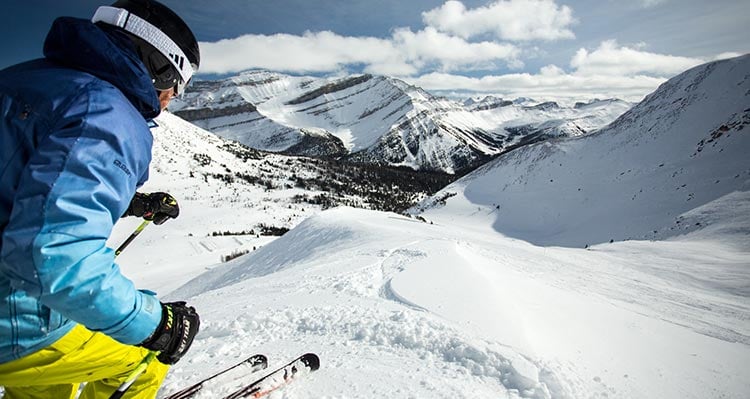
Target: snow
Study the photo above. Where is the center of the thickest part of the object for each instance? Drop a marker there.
(401, 308)
(478, 301)
(679, 149)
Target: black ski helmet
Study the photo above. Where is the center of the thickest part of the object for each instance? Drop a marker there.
(165, 43)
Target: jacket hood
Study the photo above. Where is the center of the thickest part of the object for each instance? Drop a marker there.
(105, 53)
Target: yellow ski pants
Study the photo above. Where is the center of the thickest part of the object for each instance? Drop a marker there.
(80, 356)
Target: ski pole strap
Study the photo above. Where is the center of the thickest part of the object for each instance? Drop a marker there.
(133, 376)
(132, 237)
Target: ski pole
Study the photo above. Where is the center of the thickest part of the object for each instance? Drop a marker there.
(132, 237)
(120, 391)
(133, 376)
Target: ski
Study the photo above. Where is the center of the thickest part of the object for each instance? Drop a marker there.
(295, 369)
(250, 365)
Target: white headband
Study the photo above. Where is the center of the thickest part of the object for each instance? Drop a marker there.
(140, 27)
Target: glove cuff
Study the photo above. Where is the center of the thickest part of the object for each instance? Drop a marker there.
(175, 333)
(159, 339)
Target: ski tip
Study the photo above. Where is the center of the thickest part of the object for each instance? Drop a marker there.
(311, 360)
(257, 359)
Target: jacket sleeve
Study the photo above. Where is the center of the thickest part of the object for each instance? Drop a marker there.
(74, 188)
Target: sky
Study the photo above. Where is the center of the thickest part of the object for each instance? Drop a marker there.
(575, 49)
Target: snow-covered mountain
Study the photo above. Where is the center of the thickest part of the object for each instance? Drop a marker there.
(377, 119)
(453, 307)
(684, 147)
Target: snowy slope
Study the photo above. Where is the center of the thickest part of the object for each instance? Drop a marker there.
(216, 180)
(398, 308)
(374, 118)
(454, 307)
(684, 146)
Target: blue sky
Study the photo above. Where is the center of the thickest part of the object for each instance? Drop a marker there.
(574, 49)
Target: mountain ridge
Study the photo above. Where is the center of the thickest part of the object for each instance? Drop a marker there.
(377, 119)
(684, 146)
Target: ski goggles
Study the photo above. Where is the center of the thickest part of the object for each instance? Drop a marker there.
(164, 75)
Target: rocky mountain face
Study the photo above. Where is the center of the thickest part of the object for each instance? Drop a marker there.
(377, 119)
(673, 164)
(208, 171)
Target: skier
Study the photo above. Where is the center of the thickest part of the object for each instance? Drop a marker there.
(74, 145)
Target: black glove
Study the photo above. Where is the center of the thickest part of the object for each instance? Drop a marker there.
(175, 333)
(158, 207)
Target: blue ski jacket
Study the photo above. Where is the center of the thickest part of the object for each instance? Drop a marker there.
(74, 145)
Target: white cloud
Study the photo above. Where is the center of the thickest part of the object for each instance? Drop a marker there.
(515, 20)
(608, 71)
(550, 83)
(451, 52)
(551, 70)
(311, 52)
(651, 3)
(724, 56)
(449, 47)
(613, 60)
(405, 53)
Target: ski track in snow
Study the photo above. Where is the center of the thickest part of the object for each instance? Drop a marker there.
(394, 262)
(365, 326)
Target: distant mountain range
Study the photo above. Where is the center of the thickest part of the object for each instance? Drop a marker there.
(667, 166)
(379, 120)
(673, 164)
